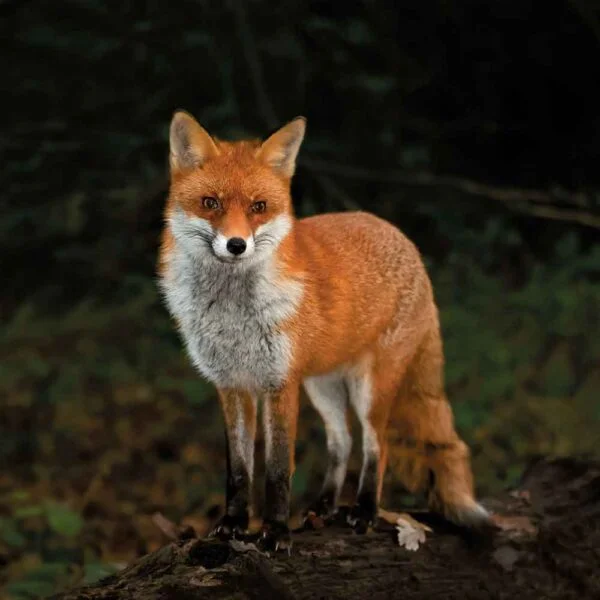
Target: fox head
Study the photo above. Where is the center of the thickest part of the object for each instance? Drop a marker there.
(230, 201)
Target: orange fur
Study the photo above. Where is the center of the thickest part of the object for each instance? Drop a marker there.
(366, 304)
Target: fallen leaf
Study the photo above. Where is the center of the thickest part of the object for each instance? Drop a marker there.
(313, 521)
(506, 556)
(392, 518)
(411, 533)
(519, 524)
(409, 536)
(167, 527)
(524, 495)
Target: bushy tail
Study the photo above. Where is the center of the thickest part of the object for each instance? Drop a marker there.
(425, 450)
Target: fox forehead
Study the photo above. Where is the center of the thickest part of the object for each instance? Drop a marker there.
(234, 175)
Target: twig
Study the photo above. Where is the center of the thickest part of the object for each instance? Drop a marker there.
(556, 214)
(524, 201)
(167, 527)
(536, 202)
(171, 530)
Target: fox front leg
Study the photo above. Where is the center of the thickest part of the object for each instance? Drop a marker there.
(239, 410)
(280, 414)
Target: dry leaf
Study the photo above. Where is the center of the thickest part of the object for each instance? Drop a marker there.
(409, 536)
(524, 495)
(519, 524)
(411, 533)
(506, 556)
(165, 525)
(392, 518)
(313, 521)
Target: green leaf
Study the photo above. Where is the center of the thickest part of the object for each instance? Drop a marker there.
(19, 495)
(10, 534)
(27, 512)
(63, 520)
(95, 571)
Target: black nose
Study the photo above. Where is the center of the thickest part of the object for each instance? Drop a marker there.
(236, 246)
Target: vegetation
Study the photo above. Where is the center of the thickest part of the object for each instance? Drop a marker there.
(103, 421)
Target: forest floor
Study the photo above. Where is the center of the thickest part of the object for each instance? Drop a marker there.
(546, 544)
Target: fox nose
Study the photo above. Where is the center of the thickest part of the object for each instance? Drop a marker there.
(236, 245)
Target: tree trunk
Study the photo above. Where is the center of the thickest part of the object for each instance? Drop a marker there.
(547, 546)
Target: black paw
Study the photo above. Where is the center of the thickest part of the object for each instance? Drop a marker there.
(275, 537)
(230, 527)
(362, 516)
(319, 514)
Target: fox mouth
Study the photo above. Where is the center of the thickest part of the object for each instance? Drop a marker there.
(231, 260)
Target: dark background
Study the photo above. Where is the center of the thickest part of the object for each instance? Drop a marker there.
(423, 111)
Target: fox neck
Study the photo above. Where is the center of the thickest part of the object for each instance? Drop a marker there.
(230, 314)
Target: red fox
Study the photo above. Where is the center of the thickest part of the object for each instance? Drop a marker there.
(338, 303)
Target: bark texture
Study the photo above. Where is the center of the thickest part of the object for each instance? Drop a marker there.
(547, 546)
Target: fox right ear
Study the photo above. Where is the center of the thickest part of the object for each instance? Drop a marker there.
(191, 145)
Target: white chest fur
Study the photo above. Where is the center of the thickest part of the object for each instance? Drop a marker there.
(230, 317)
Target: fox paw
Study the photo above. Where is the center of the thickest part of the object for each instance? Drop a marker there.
(275, 537)
(361, 517)
(230, 527)
(318, 514)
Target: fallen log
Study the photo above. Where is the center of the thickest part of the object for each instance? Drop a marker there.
(546, 544)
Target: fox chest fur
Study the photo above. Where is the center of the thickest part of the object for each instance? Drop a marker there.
(230, 317)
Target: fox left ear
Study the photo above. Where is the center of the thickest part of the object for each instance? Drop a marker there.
(280, 149)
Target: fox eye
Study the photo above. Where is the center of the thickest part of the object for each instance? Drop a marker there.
(259, 207)
(210, 202)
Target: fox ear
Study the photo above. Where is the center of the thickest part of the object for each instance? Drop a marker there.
(191, 145)
(281, 148)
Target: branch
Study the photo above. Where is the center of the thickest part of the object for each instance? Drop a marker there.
(529, 201)
(524, 201)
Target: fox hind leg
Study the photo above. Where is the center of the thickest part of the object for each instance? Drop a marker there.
(371, 396)
(329, 395)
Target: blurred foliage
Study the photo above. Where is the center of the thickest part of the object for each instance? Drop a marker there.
(103, 421)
